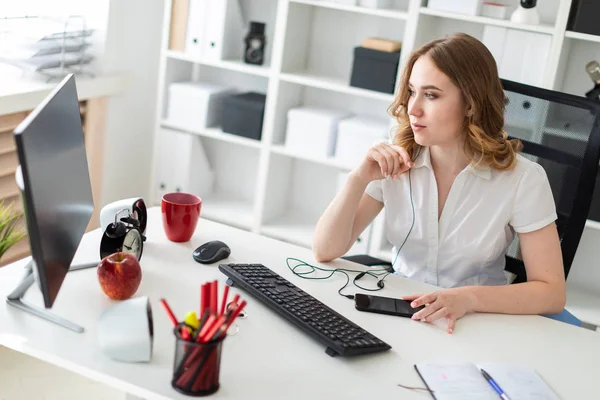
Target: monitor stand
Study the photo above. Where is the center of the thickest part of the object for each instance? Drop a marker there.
(15, 298)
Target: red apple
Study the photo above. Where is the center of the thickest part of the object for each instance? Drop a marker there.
(120, 275)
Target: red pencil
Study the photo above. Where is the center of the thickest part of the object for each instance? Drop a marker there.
(205, 297)
(214, 295)
(169, 312)
(224, 301)
(201, 310)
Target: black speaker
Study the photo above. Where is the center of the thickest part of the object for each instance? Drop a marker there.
(583, 17)
(255, 44)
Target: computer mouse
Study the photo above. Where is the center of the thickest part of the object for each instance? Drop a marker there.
(211, 252)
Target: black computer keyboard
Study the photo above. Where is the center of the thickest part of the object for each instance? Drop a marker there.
(341, 336)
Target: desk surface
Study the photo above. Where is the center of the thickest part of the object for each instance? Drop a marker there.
(271, 359)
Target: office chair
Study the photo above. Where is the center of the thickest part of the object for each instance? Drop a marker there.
(561, 132)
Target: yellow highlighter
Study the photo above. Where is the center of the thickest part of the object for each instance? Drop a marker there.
(191, 319)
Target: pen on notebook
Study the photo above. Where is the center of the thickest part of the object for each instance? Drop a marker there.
(494, 385)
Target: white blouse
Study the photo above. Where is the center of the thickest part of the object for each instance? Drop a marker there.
(484, 209)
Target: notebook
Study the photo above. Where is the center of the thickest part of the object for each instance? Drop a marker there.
(464, 381)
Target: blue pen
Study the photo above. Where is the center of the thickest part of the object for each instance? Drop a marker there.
(494, 385)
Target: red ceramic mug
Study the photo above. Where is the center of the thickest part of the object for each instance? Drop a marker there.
(180, 213)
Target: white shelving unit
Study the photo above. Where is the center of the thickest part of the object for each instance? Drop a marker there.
(266, 188)
(542, 28)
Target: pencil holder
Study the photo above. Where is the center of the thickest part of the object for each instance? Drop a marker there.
(196, 366)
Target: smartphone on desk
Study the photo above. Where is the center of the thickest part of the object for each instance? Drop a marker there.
(384, 305)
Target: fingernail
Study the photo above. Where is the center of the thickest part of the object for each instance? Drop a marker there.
(413, 304)
(413, 317)
(449, 330)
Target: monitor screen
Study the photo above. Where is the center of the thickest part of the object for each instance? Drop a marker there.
(56, 192)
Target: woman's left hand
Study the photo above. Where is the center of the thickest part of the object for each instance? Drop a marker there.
(449, 303)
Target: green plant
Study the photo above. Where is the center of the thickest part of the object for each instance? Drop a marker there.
(10, 232)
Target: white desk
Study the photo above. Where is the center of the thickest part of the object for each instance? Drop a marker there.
(271, 359)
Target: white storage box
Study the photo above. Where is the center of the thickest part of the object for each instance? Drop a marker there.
(313, 130)
(196, 105)
(469, 7)
(356, 135)
(494, 10)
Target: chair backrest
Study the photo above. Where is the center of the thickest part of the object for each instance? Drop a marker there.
(561, 132)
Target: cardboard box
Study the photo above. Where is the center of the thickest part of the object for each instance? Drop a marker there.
(381, 44)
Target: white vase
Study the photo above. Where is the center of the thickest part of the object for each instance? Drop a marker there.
(523, 15)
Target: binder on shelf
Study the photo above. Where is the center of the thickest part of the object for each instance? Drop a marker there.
(194, 37)
(178, 27)
(206, 36)
(221, 43)
(533, 49)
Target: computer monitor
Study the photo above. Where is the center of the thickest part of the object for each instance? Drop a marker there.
(56, 192)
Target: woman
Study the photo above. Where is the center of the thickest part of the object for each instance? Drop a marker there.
(451, 160)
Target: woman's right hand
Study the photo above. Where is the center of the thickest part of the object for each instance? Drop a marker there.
(383, 160)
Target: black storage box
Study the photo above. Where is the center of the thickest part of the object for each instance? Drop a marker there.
(374, 69)
(585, 17)
(243, 114)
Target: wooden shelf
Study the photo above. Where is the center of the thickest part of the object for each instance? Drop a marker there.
(18, 251)
(9, 122)
(8, 172)
(542, 28)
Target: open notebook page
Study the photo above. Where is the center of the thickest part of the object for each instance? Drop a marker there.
(520, 382)
(456, 381)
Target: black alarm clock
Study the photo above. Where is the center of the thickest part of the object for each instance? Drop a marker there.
(120, 236)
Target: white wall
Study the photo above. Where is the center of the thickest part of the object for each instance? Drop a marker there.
(133, 46)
